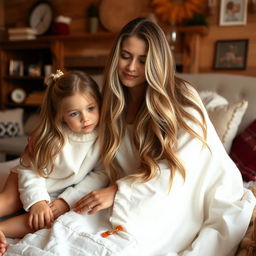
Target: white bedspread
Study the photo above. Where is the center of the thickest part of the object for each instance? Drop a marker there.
(74, 234)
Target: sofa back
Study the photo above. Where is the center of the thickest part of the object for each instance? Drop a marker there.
(233, 87)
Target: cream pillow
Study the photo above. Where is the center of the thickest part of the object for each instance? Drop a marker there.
(226, 117)
(226, 120)
(212, 99)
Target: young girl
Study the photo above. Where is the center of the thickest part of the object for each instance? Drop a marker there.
(60, 153)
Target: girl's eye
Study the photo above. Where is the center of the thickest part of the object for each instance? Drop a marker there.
(73, 114)
(91, 108)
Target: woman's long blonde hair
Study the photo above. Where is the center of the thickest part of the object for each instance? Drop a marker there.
(48, 138)
(161, 114)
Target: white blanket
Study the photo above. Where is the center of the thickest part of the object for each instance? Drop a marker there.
(74, 234)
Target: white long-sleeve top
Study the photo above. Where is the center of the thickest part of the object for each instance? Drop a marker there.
(205, 214)
(72, 176)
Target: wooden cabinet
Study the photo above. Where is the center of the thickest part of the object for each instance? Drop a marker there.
(22, 66)
(88, 52)
(23, 62)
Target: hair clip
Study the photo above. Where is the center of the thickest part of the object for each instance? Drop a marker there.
(52, 78)
(111, 232)
(58, 74)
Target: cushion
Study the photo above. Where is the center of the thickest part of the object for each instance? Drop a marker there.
(243, 152)
(226, 120)
(212, 99)
(226, 117)
(11, 123)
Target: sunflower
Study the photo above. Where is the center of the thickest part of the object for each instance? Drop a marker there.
(176, 11)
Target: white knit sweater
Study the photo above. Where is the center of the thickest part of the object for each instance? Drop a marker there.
(69, 179)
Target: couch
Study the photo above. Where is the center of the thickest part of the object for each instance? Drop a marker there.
(233, 87)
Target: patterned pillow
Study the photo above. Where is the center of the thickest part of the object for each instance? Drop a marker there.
(11, 123)
(243, 152)
(225, 116)
(226, 120)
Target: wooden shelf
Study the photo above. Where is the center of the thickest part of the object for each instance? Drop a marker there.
(71, 37)
(23, 77)
(200, 30)
(85, 51)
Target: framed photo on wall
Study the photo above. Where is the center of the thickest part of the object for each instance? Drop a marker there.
(233, 12)
(231, 54)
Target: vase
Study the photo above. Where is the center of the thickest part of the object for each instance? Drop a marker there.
(93, 24)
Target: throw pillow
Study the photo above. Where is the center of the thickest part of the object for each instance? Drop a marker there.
(243, 152)
(212, 99)
(11, 123)
(226, 120)
(226, 117)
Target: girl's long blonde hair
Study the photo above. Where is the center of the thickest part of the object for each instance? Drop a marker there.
(161, 114)
(48, 138)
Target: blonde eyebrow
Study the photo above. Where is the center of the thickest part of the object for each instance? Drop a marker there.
(142, 56)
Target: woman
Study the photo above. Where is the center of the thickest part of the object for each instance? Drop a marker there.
(161, 136)
(174, 189)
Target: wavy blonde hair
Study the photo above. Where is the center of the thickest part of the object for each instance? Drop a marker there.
(161, 114)
(48, 138)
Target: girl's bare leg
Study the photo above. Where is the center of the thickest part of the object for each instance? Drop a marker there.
(15, 227)
(3, 243)
(9, 197)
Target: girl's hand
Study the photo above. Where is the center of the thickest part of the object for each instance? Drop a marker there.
(96, 200)
(40, 216)
(59, 207)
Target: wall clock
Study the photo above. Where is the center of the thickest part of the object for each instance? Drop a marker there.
(18, 95)
(41, 17)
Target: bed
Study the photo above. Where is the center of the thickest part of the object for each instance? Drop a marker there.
(235, 89)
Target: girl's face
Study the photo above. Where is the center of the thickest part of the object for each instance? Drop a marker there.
(131, 64)
(80, 112)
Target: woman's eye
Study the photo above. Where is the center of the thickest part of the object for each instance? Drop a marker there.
(125, 56)
(143, 61)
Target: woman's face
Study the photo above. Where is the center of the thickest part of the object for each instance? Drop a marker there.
(131, 64)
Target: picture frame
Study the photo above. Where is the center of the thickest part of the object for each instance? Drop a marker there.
(34, 70)
(231, 54)
(233, 12)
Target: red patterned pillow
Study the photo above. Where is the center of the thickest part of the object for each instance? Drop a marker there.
(243, 152)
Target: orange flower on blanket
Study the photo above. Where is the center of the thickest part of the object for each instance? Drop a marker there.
(176, 11)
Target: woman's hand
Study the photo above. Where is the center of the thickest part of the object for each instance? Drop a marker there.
(40, 216)
(59, 207)
(96, 200)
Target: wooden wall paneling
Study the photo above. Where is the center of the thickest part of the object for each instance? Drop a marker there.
(2, 71)
(207, 48)
(2, 13)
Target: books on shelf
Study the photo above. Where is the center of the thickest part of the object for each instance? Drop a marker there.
(25, 33)
(21, 37)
